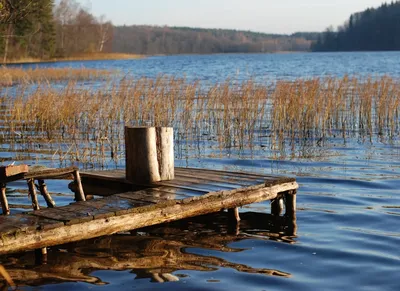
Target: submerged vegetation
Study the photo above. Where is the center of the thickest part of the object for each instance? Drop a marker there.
(86, 125)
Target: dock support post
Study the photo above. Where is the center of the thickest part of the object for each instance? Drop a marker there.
(277, 206)
(149, 153)
(234, 214)
(41, 256)
(290, 203)
(79, 194)
(43, 190)
(4, 201)
(32, 193)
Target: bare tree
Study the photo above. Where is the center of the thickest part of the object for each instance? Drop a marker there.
(104, 31)
(65, 14)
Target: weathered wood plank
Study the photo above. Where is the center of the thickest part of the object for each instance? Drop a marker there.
(150, 195)
(179, 191)
(243, 182)
(205, 181)
(268, 179)
(12, 170)
(79, 213)
(19, 223)
(50, 173)
(144, 216)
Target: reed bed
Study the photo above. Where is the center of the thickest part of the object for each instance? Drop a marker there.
(15, 75)
(86, 125)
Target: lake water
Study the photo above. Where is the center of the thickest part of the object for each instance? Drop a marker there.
(348, 210)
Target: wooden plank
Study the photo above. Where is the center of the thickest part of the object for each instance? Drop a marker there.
(10, 225)
(111, 175)
(144, 216)
(79, 213)
(179, 191)
(212, 175)
(243, 182)
(12, 170)
(268, 179)
(150, 195)
(209, 182)
(50, 173)
(195, 186)
(62, 214)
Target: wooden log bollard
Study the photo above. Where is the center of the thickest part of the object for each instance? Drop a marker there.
(149, 154)
(3, 200)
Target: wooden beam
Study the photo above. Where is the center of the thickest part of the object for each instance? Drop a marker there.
(141, 217)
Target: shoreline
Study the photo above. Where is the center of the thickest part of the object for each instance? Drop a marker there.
(78, 58)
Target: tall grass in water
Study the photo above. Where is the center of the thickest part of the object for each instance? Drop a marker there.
(86, 125)
(15, 75)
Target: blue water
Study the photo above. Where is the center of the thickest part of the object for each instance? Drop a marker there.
(348, 206)
(244, 66)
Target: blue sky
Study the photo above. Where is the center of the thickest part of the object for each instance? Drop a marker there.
(277, 16)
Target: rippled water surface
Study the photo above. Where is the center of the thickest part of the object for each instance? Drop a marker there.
(348, 206)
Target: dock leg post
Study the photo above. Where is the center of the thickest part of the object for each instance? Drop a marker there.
(32, 193)
(43, 190)
(79, 194)
(277, 206)
(234, 214)
(4, 201)
(41, 256)
(290, 203)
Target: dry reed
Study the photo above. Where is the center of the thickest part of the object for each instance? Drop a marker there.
(86, 125)
(14, 75)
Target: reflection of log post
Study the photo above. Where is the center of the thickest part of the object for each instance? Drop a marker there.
(149, 154)
(290, 203)
(32, 193)
(79, 194)
(277, 206)
(4, 201)
(43, 190)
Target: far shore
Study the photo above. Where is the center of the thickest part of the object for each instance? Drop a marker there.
(76, 58)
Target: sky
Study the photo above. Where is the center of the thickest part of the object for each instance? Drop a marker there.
(270, 16)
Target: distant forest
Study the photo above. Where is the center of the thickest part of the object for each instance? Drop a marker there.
(370, 30)
(46, 29)
(184, 40)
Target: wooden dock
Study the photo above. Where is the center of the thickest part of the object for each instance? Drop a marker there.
(193, 192)
(148, 192)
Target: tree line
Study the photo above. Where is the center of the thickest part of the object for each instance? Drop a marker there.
(371, 30)
(43, 29)
(144, 39)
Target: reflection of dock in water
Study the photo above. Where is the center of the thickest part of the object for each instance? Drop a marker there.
(156, 253)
